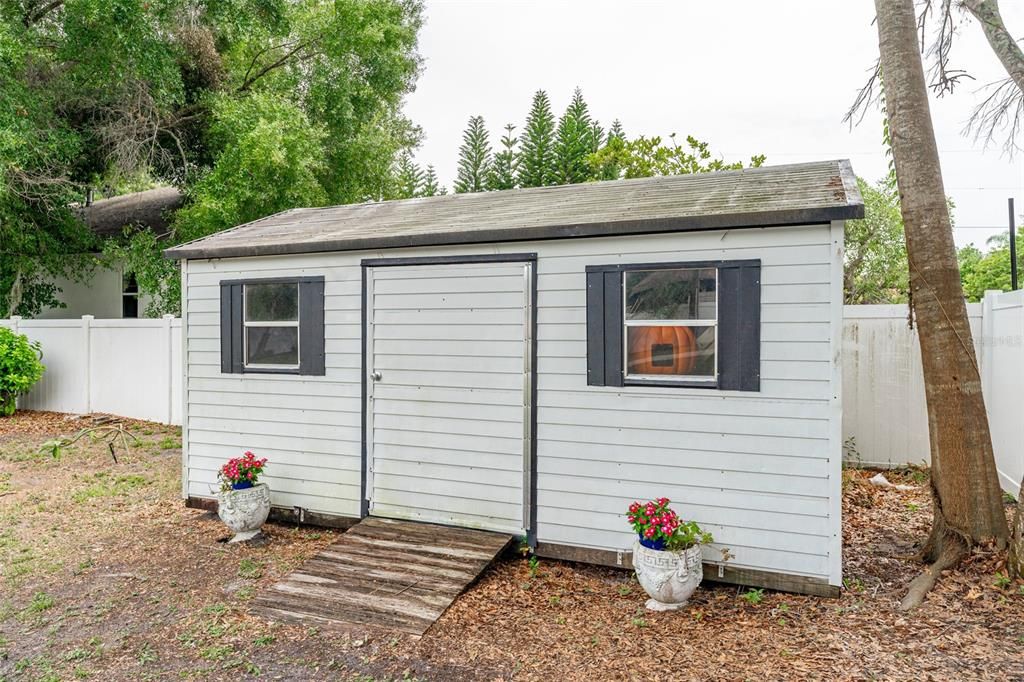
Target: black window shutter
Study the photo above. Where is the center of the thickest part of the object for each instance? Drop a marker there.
(595, 328)
(231, 360)
(604, 328)
(311, 327)
(739, 326)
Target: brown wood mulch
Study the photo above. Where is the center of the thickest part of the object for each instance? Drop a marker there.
(105, 575)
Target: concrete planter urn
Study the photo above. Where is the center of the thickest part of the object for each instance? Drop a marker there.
(244, 511)
(669, 578)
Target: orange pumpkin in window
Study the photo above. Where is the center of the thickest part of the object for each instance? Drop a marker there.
(662, 350)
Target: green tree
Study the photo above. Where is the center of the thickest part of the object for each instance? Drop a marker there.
(981, 272)
(644, 157)
(875, 268)
(408, 178)
(605, 163)
(431, 186)
(263, 137)
(537, 161)
(474, 158)
(40, 237)
(505, 168)
(97, 92)
(575, 142)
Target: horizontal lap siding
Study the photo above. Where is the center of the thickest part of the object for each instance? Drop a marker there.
(753, 468)
(309, 427)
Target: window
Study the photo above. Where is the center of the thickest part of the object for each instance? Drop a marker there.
(273, 326)
(129, 296)
(670, 323)
(674, 324)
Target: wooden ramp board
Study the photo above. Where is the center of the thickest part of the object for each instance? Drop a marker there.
(393, 574)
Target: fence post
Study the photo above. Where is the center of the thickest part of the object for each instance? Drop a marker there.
(169, 373)
(87, 362)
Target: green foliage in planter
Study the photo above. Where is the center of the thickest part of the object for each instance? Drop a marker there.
(20, 368)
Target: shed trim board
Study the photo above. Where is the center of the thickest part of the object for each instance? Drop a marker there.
(529, 398)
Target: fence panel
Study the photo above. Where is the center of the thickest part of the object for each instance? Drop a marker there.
(62, 388)
(126, 367)
(885, 421)
(1003, 377)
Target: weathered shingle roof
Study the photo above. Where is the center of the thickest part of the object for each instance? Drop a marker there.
(149, 209)
(757, 197)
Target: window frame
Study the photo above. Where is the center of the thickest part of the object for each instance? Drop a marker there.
(246, 324)
(738, 310)
(310, 326)
(674, 379)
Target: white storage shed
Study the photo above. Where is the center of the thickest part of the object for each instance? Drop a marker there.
(530, 361)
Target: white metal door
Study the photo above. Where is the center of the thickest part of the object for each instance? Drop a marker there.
(448, 362)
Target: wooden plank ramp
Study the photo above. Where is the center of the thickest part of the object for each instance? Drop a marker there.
(400, 575)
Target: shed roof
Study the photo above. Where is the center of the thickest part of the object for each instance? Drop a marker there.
(793, 194)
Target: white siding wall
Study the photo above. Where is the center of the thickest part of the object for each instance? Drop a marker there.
(759, 470)
(100, 296)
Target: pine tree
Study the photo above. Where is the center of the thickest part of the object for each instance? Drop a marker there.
(474, 158)
(408, 178)
(574, 142)
(616, 131)
(596, 138)
(506, 162)
(537, 153)
(430, 186)
(606, 163)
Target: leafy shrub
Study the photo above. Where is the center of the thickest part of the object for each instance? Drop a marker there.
(20, 368)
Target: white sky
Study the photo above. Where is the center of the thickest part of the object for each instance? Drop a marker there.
(747, 76)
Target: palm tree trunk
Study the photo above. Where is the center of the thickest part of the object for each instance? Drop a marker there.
(999, 39)
(967, 500)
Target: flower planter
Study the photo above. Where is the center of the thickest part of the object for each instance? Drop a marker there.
(669, 578)
(244, 511)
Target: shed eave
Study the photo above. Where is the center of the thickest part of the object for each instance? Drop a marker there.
(693, 223)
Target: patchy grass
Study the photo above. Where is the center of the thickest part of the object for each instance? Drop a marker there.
(102, 484)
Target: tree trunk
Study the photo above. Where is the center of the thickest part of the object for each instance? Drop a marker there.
(1016, 559)
(966, 498)
(999, 39)
(14, 295)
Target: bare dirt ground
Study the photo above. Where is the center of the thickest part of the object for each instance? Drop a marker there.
(105, 575)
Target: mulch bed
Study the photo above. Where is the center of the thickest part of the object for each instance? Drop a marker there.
(105, 575)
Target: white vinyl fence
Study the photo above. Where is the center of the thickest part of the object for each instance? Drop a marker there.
(133, 368)
(885, 422)
(126, 367)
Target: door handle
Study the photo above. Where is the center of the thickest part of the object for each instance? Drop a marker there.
(376, 376)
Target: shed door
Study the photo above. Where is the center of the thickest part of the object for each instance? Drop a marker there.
(448, 364)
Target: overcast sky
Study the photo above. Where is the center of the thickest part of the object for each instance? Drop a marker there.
(747, 76)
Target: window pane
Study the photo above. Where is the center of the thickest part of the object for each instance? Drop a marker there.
(271, 302)
(670, 294)
(272, 345)
(670, 351)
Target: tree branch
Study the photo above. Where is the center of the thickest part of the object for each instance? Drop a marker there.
(251, 78)
(36, 14)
